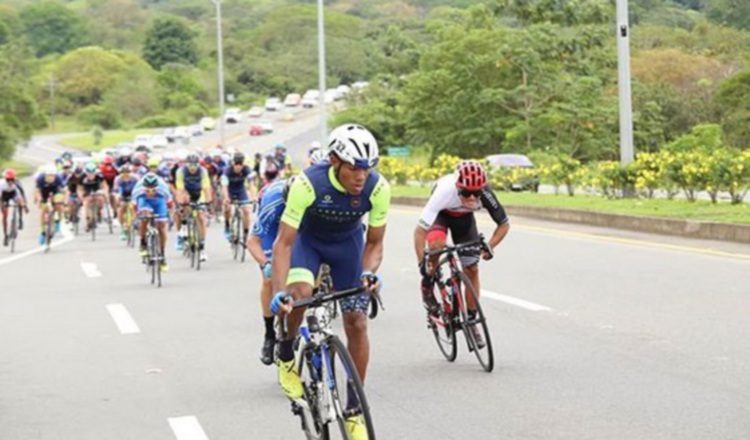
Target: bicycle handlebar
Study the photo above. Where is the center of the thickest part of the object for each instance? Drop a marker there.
(479, 244)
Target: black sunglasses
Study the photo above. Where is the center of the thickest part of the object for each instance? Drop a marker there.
(469, 193)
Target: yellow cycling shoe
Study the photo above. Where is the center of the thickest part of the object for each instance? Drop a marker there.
(355, 426)
(164, 267)
(289, 380)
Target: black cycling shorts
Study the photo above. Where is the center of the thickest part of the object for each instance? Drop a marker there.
(463, 229)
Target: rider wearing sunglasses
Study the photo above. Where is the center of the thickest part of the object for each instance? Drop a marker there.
(451, 206)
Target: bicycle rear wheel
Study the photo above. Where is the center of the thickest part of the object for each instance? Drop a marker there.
(108, 211)
(92, 220)
(311, 416)
(348, 394)
(197, 244)
(483, 352)
(50, 229)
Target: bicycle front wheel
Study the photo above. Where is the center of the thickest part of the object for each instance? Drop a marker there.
(314, 418)
(347, 394)
(444, 331)
(475, 327)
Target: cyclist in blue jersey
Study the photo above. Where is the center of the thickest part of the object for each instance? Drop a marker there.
(123, 190)
(48, 185)
(152, 194)
(269, 208)
(234, 181)
(322, 224)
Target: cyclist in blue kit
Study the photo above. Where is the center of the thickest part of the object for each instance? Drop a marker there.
(322, 224)
(234, 181)
(269, 209)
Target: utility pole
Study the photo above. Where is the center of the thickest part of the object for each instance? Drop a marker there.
(623, 68)
(322, 76)
(220, 54)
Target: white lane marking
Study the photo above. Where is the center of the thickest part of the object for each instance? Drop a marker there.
(515, 301)
(187, 428)
(90, 270)
(67, 237)
(125, 323)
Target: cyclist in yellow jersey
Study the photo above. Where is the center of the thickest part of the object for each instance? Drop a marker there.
(193, 185)
(322, 224)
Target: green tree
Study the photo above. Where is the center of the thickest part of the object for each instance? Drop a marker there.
(170, 40)
(51, 27)
(86, 74)
(733, 100)
(735, 13)
(19, 113)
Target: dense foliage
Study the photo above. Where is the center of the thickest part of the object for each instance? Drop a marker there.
(452, 76)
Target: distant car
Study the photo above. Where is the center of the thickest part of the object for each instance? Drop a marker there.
(142, 140)
(207, 123)
(292, 100)
(287, 116)
(159, 141)
(330, 96)
(261, 127)
(196, 130)
(273, 104)
(255, 112)
(530, 183)
(233, 115)
(177, 134)
(343, 90)
(310, 99)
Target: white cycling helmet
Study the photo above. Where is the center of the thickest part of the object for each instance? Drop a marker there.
(49, 170)
(168, 155)
(318, 156)
(315, 145)
(125, 151)
(355, 145)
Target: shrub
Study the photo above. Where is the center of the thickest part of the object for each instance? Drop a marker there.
(99, 115)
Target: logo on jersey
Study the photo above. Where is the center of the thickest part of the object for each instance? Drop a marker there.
(356, 202)
(327, 199)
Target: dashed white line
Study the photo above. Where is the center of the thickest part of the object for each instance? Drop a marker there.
(125, 323)
(67, 236)
(187, 428)
(91, 270)
(518, 302)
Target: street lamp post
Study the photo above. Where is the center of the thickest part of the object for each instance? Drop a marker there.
(220, 54)
(322, 75)
(623, 68)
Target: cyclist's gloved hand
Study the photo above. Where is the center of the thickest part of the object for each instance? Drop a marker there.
(423, 268)
(281, 302)
(266, 268)
(373, 282)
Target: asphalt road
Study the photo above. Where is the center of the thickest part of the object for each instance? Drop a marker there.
(600, 334)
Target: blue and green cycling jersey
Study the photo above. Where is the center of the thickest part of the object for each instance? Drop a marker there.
(270, 208)
(319, 206)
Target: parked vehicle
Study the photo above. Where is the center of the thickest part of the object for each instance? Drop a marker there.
(232, 115)
(207, 123)
(531, 182)
(255, 111)
(261, 127)
(292, 100)
(159, 141)
(273, 104)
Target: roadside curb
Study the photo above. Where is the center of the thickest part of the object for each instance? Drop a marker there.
(656, 225)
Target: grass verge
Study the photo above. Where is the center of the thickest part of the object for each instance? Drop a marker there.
(22, 168)
(682, 209)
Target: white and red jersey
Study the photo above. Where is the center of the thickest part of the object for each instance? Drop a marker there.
(445, 199)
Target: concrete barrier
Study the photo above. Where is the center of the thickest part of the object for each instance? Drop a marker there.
(657, 225)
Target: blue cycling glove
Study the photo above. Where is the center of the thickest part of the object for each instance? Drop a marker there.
(279, 299)
(266, 268)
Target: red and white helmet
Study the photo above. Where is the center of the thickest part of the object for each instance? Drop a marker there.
(9, 174)
(470, 175)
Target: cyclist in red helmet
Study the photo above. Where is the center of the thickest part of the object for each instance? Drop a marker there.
(11, 189)
(451, 207)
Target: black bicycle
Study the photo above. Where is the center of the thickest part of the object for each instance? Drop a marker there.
(453, 314)
(14, 212)
(75, 218)
(333, 391)
(52, 217)
(154, 259)
(194, 238)
(236, 237)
